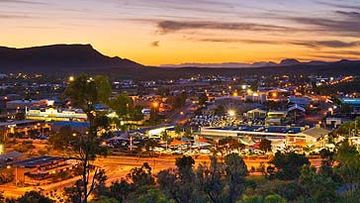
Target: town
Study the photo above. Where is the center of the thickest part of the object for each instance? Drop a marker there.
(157, 122)
(179, 101)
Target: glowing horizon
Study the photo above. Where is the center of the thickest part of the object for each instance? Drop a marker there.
(155, 32)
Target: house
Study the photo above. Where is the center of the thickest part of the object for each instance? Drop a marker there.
(256, 114)
(275, 117)
(296, 113)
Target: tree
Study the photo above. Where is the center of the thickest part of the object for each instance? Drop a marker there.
(120, 190)
(34, 197)
(274, 198)
(141, 177)
(348, 167)
(62, 140)
(85, 92)
(104, 199)
(203, 99)
(152, 196)
(166, 138)
(317, 187)
(288, 165)
(265, 145)
(235, 172)
(210, 180)
(123, 105)
(178, 184)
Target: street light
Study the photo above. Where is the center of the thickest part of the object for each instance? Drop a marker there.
(71, 78)
(232, 113)
(155, 104)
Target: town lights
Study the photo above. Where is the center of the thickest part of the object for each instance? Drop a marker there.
(274, 94)
(155, 105)
(232, 113)
(71, 78)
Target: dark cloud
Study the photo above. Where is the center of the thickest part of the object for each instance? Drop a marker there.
(339, 5)
(327, 43)
(349, 14)
(344, 52)
(235, 40)
(173, 26)
(348, 23)
(155, 43)
(310, 44)
(15, 16)
(23, 2)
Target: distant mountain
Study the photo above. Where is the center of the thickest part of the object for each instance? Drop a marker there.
(289, 62)
(59, 58)
(73, 59)
(284, 62)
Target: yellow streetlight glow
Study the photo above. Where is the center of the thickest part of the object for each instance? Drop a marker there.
(71, 78)
(155, 104)
(232, 113)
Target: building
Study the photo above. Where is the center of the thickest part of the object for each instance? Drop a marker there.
(40, 170)
(296, 113)
(290, 135)
(24, 127)
(23, 104)
(275, 117)
(52, 114)
(256, 114)
(354, 103)
(80, 127)
(299, 101)
(256, 97)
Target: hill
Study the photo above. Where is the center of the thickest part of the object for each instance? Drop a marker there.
(59, 58)
(74, 59)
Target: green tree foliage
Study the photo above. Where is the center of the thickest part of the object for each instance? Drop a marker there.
(203, 99)
(210, 180)
(178, 184)
(348, 128)
(63, 138)
(123, 105)
(317, 187)
(265, 145)
(34, 197)
(274, 198)
(85, 92)
(288, 165)
(152, 196)
(141, 177)
(104, 199)
(348, 167)
(138, 182)
(235, 172)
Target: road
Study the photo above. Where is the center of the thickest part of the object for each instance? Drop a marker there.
(117, 167)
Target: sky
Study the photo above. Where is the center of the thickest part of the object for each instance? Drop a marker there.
(155, 32)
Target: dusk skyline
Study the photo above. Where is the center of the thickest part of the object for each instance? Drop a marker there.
(202, 31)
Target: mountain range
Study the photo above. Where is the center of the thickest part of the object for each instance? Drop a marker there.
(284, 62)
(77, 58)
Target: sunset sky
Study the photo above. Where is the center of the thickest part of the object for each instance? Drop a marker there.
(155, 32)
